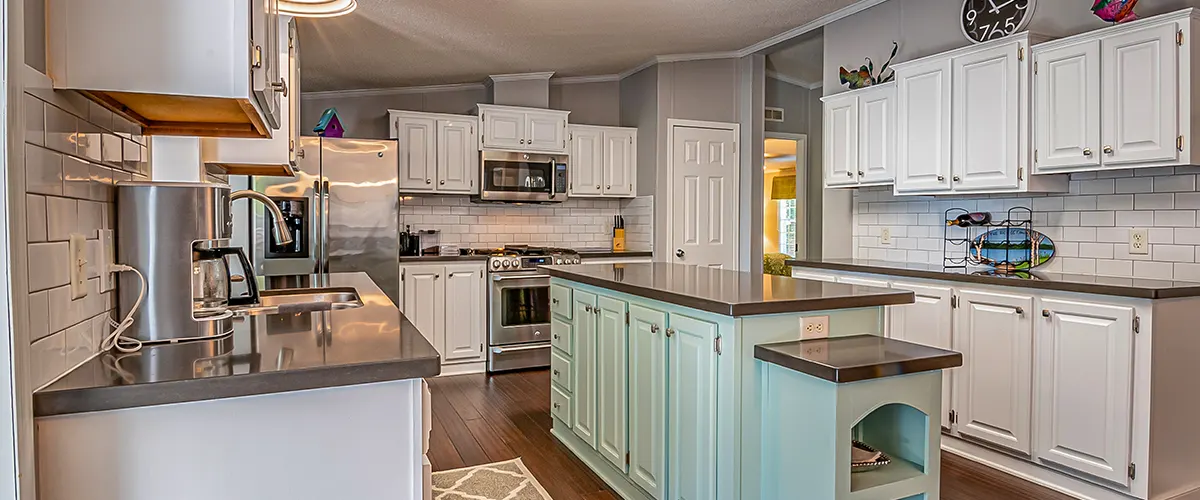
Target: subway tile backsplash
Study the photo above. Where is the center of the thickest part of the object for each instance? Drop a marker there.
(1090, 224)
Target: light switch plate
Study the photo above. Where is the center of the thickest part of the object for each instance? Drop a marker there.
(104, 267)
(885, 236)
(77, 249)
(1139, 242)
(814, 327)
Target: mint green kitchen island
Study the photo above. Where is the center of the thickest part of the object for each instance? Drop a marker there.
(655, 382)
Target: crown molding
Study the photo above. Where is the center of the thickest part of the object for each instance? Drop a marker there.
(815, 24)
(574, 80)
(793, 81)
(422, 89)
(670, 58)
(520, 77)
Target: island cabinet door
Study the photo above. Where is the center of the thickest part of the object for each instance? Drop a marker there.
(611, 373)
(648, 399)
(584, 313)
(994, 386)
(928, 322)
(1085, 387)
(692, 463)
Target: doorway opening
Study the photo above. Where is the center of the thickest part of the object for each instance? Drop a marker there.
(785, 181)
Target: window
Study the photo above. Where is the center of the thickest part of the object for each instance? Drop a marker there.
(787, 227)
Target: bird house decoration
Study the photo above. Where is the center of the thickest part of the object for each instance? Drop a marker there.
(329, 125)
(1115, 11)
(864, 77)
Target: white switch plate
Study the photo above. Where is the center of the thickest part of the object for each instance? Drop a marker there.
(814, 327)
(104, 267)
(1139, 242)
(885, 236)
(77, 249)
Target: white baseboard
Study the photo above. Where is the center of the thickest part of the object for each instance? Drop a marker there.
(464, 368)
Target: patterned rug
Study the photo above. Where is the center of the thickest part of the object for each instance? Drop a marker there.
(499, 481)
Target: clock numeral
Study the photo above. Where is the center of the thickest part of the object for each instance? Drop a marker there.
(972, 15)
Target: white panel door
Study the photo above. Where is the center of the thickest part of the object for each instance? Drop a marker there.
(994, 388)
(1085, 387)
(587, 161)
(418, 152)
(923, 127)
(841, 141)
(928, 321)
(546, 132)
(704, 187)
(877, 135)
(457, 157)
(503, 129)
(1140, 116)
(425, 302)
(1068, 107)
(986, 102)
(620, 156)
(464, 313)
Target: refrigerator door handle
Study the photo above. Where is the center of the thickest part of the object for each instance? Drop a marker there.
(318, 241)
(325, 227)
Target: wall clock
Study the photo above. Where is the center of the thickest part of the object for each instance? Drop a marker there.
(984, 20)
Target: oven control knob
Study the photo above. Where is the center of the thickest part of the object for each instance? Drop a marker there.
(558, 261)
(507, 263)
(575, 260)
(495, 264)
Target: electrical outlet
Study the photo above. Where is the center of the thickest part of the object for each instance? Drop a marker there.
(1139, 242)
(104, 265)
(77, 249)
(814, 327)
(885, 236)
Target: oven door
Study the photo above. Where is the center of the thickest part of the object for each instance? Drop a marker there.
(520, 309)
(518, 177)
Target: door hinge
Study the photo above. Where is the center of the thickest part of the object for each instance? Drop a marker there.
(1035, 67)
(1035, 157)
(480, 347)
(1133, 466)
(1021, 53)
(953, 417)
(627, 458)
(717, 345)
(1020, 173)
(1137, 324)
(402, 275)
(954, 302)
(257, 62)
(626, 317)
(735, 147)
(1179, 38)
(1179, 143)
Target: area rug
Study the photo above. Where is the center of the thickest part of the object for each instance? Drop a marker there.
(499, 481)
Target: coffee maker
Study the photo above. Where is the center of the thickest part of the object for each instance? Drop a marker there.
(178, 235)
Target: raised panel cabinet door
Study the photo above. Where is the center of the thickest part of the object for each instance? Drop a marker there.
(923, 127)
(994, 387)
(560, 300)
(418, 152)
(457, 157)
(620, 156)
(1140, 115)
(928, 321)
(464, 313)
(986, 104)
(877, 135)
(425, 302)
(1085, 394)
(692, 386)
(1068, 107)
(584, 398)
(841, 141)
(546, 132)
(612, 374)
(587, 161)
(648, 399)
(503, 129)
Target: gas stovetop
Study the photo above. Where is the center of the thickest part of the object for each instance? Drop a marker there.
(526, 258)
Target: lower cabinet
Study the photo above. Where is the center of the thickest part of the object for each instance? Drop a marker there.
(447, 304)
(692, 379)
(583, 360)
(611, 379)
(648, 399)
(928, 321)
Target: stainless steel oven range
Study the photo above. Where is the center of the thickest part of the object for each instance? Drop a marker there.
(519, 312)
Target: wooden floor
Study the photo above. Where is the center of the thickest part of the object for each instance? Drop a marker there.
(479, 419)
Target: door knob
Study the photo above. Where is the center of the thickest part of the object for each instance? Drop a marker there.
(941, 178)
(1108, 150)
(679, 253)
(1087, 152)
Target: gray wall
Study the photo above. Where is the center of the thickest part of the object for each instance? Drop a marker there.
(803, 115)
(597, 103)
(795, 103)
(639, 108)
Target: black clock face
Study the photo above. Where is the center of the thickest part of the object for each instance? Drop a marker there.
(984, 20)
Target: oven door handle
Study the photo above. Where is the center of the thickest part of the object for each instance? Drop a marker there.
(525, 277)
(502, 350)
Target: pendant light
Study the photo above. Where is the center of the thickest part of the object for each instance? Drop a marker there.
(317, 8)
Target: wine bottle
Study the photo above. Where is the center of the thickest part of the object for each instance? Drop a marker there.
(972, 219)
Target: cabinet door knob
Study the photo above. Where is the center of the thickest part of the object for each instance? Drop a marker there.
(1087, 152)
(956, 179)
(1108, 150)
(597, 186)
(1021, 311)
(670, 332)
(280, 86)
(553, 301)
(522, 141)
(1045, 313)
(429, 181)
(557, 406)
(556, 337)
(555, 373)
(653, 328)
(860, 173)
(849, 174)
(941, 178)
(442, 182)
(607, 187)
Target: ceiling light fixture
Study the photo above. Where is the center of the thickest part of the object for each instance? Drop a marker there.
(317, 8)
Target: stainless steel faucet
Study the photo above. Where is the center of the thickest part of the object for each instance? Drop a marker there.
(282, 235)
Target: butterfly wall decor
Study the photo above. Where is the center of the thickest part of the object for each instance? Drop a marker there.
(864, 76)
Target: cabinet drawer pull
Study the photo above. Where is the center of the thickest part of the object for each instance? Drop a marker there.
(1045, 313)
(555, 373)
(557, 406)
(556, 337)
(554, 301)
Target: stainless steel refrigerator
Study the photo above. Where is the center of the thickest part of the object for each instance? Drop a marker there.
(342, 210)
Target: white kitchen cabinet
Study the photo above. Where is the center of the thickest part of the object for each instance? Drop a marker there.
(425, 301)
(603, 161)
(928, 321)
(1139, 101)
(521, 129)
(994, 387)
(841, 140)
(1085, 387)
(860, 137)
(923, 127)
(438, 152)
(1068, 111)
(207, 69)
(448, 305)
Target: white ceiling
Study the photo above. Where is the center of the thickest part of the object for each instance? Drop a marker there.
(397, 43)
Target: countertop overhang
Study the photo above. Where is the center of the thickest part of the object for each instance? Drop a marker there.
(856, 358)
(1139, 288)
(728, 293)
(266, 354)
(585, 253)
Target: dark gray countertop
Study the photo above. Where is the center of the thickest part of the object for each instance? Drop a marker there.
(1100, 285)
(729, 293)
(412, 259)
(265, 354)
(585, 253)
(853, 359)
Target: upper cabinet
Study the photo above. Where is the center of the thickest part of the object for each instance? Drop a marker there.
(603, 161)
(860, 137)
(1119, 97)
(438, 152)
(523, 129)
(205, 69)
(963, 122)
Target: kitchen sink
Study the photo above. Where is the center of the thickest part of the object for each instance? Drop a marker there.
(301, 300)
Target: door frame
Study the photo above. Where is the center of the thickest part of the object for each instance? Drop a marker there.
(801, 187)
(672, 124)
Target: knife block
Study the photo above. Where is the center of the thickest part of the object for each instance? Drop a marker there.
(618, 241)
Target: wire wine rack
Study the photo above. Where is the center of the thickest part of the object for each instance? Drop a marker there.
(962, 246)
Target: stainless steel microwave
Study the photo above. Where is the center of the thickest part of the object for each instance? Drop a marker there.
(522, 177)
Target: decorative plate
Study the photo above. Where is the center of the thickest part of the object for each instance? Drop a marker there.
(1012, 248)
(879, 462)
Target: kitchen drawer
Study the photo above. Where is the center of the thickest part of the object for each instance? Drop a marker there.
(560, 405)
(560, 371)
(560, 336)
(560, 301)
